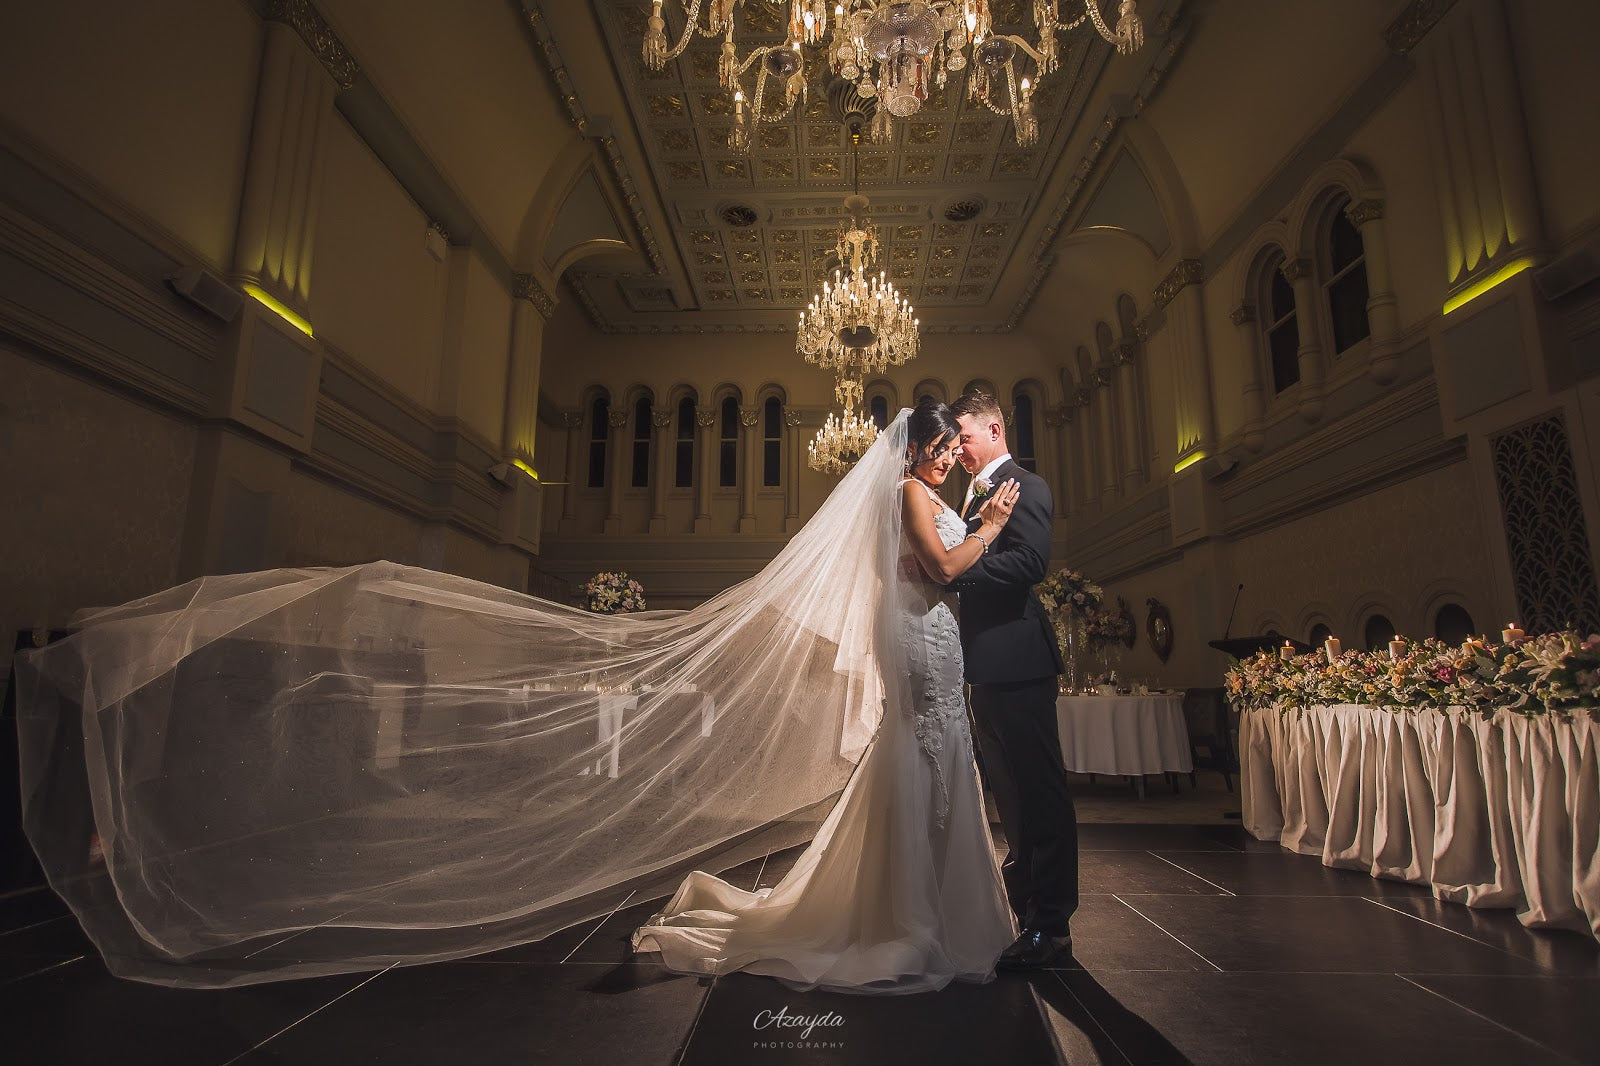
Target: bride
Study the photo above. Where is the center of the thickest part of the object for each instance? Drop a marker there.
(899, 891)
(256, 777)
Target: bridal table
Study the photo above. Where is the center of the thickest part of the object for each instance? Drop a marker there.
(1497, 810)
(1126, 736)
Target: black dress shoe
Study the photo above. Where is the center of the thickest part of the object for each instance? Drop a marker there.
(1034, 950)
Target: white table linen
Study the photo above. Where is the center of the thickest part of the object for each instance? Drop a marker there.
(1502, 811)
(1124, 735)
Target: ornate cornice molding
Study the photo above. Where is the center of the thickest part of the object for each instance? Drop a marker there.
(1187, 272)
(580, 121)
(313, 29)
(527, 287)
(1243, 314)
(1366, 211)
(1413, 24)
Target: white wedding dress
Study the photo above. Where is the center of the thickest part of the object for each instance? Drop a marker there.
(899, 891)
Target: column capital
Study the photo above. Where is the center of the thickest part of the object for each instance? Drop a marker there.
(1122, 354)
(617, 419)
(659, 418)
(748, 416)
(1295, 269)
(527, 287)
(302, 17)
(1187, 272)
(704, 418)
(572, 419)
(1244, 314)
(1364, 211)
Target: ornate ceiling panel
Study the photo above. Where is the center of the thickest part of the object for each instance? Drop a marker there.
(952, 193)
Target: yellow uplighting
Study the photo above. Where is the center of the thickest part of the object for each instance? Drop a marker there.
(1478, 288)
(525, 468)
(277, 306)
(1186, 463)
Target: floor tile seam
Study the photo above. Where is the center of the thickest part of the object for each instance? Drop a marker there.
(1484, 1017)
(1095, 1019)
(311, 1014)
(1192, 874)
(597, 926)
(42, 970)
(1168, 932)
(694, 1024)
(34, 925)
(1447, 929)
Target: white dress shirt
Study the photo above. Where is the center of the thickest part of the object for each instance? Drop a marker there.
(983, 475)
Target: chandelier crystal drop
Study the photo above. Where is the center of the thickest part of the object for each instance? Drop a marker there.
(896, 51)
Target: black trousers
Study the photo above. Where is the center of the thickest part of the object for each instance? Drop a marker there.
(1017, 734)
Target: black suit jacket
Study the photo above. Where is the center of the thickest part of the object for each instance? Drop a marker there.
(1005, 634)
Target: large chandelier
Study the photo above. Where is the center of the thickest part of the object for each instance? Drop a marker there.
(858, 321)
(896, 52)
(843, 438)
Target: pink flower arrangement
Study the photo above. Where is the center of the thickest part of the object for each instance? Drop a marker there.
(614, 592)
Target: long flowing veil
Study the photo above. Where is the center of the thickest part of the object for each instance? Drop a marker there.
(302, 772)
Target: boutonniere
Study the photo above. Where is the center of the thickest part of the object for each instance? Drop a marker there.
(981, 487)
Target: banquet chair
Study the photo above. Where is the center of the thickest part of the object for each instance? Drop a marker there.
(1206, 713)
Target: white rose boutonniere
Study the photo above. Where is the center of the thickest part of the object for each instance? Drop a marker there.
(981, 487)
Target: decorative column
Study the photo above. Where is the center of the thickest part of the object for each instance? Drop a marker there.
(302, 65)
(617, 456)
(1105, 418)
(792, 447)
(1084, 448)
(577, 468)
(1179, 294)
(660, 424)
(1313, 365)
(749, 468)
(1058, 420)
(1478, 141)
(1383, 310)
(1255, 399)
(704, 419)
(531, 309)
(1127, 373)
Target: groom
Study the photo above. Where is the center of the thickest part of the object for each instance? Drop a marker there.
(1012, 664)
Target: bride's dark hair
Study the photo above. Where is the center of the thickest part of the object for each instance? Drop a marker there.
(930, 425)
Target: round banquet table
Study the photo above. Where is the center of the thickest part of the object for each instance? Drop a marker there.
(1124, 735)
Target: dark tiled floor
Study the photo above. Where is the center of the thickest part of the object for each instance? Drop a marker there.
(1193, 944)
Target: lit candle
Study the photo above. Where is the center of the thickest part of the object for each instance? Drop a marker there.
(1286, 652)
(1397, 648)
(1333, 648)
(1511, 634)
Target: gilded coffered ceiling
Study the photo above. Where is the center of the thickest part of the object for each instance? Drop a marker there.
(958, 204)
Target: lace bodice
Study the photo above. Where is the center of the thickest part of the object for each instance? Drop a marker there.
(933, 644)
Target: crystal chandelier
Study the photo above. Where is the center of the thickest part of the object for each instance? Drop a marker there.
(844, 438)
(896, 52)
(859, 321)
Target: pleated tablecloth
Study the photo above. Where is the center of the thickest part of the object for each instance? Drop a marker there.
(1496, 811)
(1133, 735)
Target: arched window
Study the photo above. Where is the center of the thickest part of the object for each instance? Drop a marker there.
(1281, 326)
(880, 411)
(771, 442)
(728, 445)
(599, 419)
(641, 442)
(1344, 269)
(683, 453)
(1022, 416)
(1453, 624)
(1319, 635)
(1378, 633)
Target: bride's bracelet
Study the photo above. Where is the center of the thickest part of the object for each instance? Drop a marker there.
(980, 540)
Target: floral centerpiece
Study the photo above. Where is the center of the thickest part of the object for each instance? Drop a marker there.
(614, 592)
(1068, 593)
(1108, 626)
(1553, 674)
